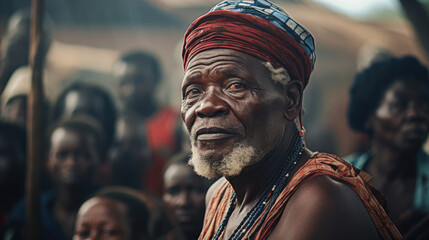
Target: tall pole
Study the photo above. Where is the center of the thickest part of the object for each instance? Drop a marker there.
(34, 124)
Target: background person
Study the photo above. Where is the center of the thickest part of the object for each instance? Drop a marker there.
(113, 214)
(15, 46)
(130, 155)
(138, 74)
(14, 98)
(91, 100)
(74, 147)
(184, 195)
(389, 101)
(143, 216)
(94, 101)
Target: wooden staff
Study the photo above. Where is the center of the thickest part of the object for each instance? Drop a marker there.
(34, 124)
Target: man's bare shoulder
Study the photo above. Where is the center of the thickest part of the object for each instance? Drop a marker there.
(324, 208)
(213, 189)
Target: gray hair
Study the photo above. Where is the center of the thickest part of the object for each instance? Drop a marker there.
(279, 75)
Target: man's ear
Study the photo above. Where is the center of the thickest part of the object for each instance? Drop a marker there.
(293, 104)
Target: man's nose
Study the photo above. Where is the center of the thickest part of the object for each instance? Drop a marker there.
(71, 160)
(183, 199)
(212, 104)
(95, 235)
(415, 110)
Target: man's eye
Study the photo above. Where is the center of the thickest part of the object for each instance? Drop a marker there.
(82, 234)
(61, 155)
(236, 86)
(173, 191)
(192, 93)
(110, 233)
(397, 105)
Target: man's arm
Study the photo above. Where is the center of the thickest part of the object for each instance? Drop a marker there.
(323, 208)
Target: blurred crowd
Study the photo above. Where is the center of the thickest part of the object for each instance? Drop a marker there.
(118, 167)
(109, 170)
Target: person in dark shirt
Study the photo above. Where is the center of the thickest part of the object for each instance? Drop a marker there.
(389, 102)
(138, 75)
(74, 147)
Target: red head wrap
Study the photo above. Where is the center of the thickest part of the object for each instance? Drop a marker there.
(248, 34)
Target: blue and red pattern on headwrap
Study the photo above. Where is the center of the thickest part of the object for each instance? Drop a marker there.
(275, 15)
(258, 28)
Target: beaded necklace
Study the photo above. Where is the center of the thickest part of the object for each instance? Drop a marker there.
(270, 195)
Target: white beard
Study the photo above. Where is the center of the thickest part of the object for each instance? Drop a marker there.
(241, 156)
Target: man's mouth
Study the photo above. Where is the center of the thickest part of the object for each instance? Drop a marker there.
(416, 134)
(184, 217)
(70, 176)
(416, 131)
(213, 134)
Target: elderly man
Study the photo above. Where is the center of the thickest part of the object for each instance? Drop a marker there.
(246, 65)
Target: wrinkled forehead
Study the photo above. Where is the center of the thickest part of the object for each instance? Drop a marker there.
(233, 63)
(225, 62)
(219, 54)
(214, 59)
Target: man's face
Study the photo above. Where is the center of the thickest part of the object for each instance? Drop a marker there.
(131, 139)
(72, 157)
(402, 119)
(233, 111)
(102, 218)
(184, 196)
(137, 83)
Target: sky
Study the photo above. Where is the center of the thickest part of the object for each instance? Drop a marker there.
(358, 8)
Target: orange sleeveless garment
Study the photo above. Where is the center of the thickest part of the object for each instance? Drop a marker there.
(320, 164)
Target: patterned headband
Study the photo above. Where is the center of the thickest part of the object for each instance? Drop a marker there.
(257, 28)
(275, 15)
